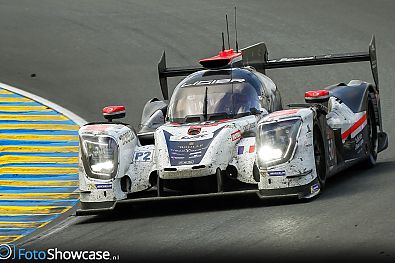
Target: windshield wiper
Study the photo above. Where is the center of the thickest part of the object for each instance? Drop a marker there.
(205, 105)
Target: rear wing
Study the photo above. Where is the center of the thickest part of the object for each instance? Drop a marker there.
(257, 57)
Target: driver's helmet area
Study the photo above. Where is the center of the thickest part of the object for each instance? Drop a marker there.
(242, 98)
(215, 94)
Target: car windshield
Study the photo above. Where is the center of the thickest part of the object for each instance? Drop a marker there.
(195, 102)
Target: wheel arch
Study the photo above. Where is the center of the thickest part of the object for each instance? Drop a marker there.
(356, 96)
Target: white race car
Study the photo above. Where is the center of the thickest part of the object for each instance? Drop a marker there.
(224, 131)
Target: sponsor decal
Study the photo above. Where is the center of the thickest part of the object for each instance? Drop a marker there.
(236, 135)
(250, 126)
(212, 82)
(193, 155)
(194, 130)
(230, 125)
(196, 137)
(126, 137)
(315, 188)
(240, 150)
(202, 135)
(277, 173)
(186, 162)
(205, 124)
(293, 59)
(358, 141)
(142, 156)
(103, 186)
(186, 152)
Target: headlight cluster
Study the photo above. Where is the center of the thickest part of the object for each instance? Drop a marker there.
(276, 141)
(100, 155)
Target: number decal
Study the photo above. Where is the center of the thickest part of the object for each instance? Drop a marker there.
(142, 156)
(147, 156)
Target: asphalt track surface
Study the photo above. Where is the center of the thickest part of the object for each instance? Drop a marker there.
(86, 54)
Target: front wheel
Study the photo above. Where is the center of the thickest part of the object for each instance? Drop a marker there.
(319, 156)
(159, 185)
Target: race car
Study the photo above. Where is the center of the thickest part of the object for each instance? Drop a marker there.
(219, 131)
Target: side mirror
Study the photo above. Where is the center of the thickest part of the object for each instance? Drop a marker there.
(114, 112)
(316, 96)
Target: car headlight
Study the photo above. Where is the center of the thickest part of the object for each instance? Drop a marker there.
(100, 156)
(276, 141)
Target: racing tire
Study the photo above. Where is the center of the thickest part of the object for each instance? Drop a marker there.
(220, 180)
(372, 142)
(319, 156)
(159, 185)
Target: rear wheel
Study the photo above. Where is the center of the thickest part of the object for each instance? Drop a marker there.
(372, 135)
(319, 156)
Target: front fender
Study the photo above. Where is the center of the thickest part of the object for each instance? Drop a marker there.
(109, 188)
(300, 169)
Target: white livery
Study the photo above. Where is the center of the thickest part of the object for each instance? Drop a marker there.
(224, 130)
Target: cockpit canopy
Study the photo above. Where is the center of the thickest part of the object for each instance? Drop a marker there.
(215, 95)
(222, 101)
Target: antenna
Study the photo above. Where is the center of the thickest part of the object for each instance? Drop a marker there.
(237, 44)
(223, 42)
(227, 29)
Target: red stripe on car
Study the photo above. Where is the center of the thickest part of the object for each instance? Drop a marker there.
(354, 127)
